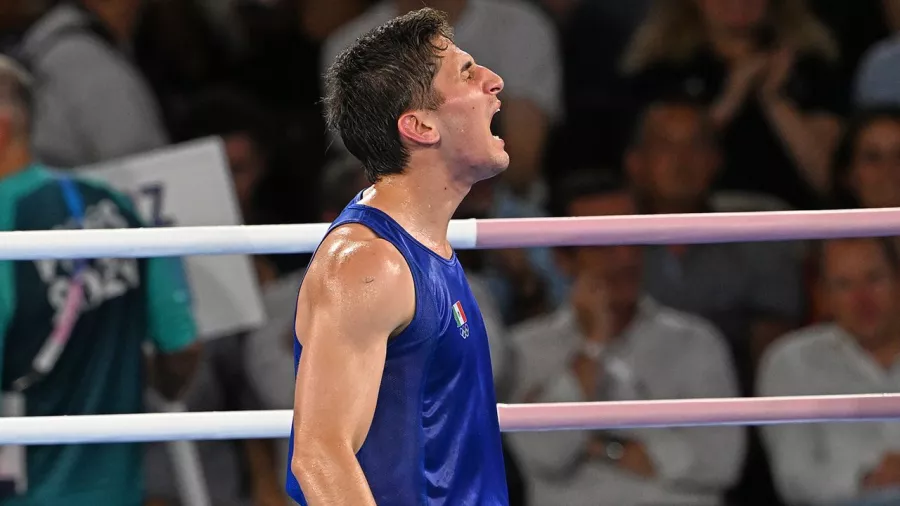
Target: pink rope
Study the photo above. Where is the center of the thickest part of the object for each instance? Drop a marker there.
(699, 412)
(687, 228)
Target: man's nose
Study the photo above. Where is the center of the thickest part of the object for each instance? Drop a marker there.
(493, 83)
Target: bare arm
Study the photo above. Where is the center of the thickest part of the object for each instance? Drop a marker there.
(357, 293)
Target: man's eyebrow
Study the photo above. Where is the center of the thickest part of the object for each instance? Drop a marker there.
(466, 66)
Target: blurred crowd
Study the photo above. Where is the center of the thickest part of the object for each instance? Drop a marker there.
(610, 107)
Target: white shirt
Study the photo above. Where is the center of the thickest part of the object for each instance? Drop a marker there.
(663, 354)
(824, 463)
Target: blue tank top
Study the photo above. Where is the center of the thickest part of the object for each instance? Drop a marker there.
(435, 436)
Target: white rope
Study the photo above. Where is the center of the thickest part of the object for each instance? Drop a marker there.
(514, 417)
(465, 234)
(179, 241)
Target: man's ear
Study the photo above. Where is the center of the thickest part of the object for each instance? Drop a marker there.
(418, 127)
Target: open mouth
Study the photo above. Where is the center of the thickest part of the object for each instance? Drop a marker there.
(495, 123)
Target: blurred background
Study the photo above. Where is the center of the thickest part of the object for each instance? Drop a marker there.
(610, 107)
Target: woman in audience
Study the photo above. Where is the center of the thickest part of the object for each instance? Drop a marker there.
(767, 68)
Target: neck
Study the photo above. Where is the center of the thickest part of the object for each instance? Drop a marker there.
(732, 46)
(13, 159)
(423, 200)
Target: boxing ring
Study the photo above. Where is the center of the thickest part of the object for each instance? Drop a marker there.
(463, 234)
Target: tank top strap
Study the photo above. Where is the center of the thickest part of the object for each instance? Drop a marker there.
(385, 227)
(373, 219)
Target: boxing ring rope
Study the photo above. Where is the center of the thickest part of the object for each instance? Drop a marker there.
(463, 234)
(182, 428)
(513, 418)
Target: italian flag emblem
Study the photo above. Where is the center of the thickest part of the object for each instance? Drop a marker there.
(459, 315)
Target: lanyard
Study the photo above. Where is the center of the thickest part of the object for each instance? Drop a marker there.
(56, 342)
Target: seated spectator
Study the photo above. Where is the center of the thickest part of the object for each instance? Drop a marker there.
(867, 164)
(612, 342)
(522, 49)
(867, 174)
(859, 353)
(91, 104)
(751, 291)
(768, 71)
(122, 304)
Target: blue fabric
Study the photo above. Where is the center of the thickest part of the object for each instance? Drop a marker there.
(73, 198)
(435, 436)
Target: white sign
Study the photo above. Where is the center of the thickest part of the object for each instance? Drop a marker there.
(190, 185)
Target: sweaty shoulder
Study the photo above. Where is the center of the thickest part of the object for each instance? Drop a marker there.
(361, 278)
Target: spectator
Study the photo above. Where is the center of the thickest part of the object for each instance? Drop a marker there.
(866, 174)
(91, 103)
(767, 68)
(612, 342)
(751, 291)
(515, 40)
(867, 164)
(859, 353)
(122, 303)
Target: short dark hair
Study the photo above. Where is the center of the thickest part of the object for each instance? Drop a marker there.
(842, 195)
(16, 89)
(885, 243)
(640, 125)
(384, 74)
(582, 183)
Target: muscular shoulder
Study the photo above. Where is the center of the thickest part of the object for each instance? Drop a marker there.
(355, 270)
(352, 251)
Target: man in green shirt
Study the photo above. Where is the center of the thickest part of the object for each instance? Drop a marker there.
(124, 303)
